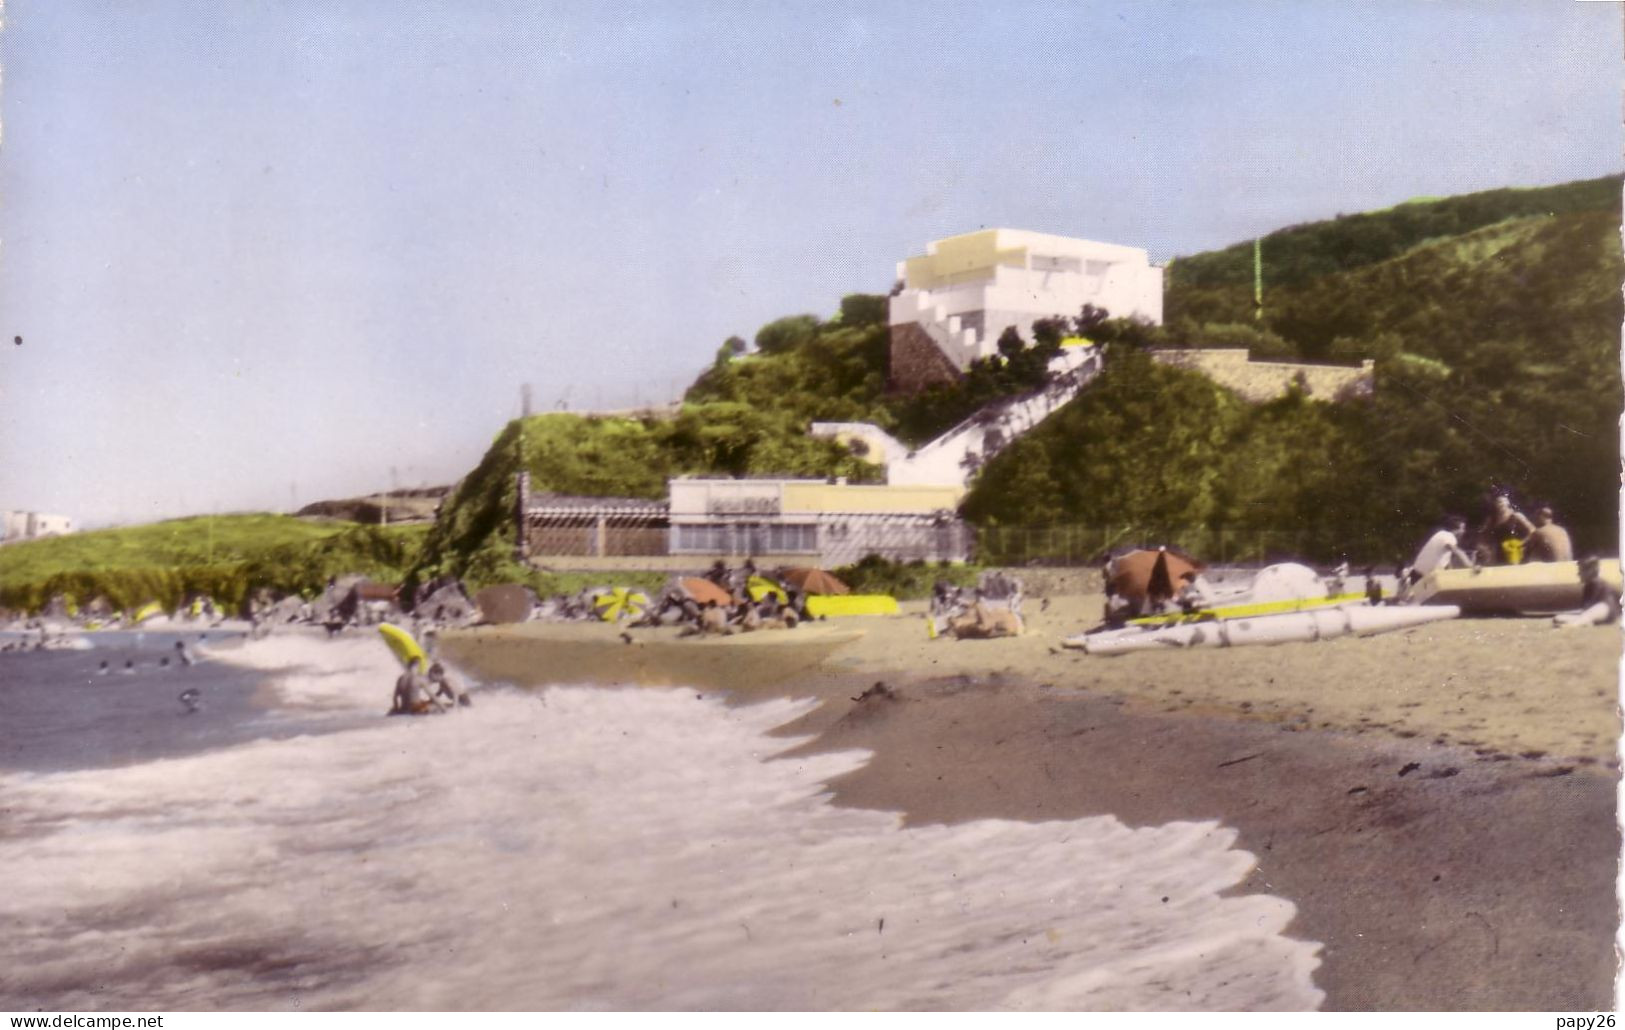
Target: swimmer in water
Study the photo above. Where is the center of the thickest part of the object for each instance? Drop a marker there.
(185, 655)
(191, 699)
(102, 669)
(129, 667)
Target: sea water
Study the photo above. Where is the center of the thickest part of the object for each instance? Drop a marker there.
(586, 848)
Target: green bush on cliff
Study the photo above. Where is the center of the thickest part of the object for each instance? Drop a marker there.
(224, 557)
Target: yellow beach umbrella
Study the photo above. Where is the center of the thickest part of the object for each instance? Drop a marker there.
(401, 643)
(147, 611)
(621, 602)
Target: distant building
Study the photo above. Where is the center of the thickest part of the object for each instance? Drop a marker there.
(814, 521)
(776, 521)
(31, 525)
(962, 294)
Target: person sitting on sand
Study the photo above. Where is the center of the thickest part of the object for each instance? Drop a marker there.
(750, 617)
(984, 623)
(712, 621)
(1599, 601)
(447, 686)
(1549, 541)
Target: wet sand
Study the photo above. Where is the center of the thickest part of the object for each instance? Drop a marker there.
(1437, 803)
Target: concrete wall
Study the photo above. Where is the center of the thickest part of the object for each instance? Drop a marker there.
(1260, 381)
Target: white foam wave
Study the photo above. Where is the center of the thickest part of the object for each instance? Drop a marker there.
(584, 848)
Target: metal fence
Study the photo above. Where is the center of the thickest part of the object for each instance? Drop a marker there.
(1058, 545)
(593, 540)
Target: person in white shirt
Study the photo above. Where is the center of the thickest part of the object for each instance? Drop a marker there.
(1441, 550)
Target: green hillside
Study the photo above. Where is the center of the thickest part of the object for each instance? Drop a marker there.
(1302, 253)
(1494, 320)
(223, 556)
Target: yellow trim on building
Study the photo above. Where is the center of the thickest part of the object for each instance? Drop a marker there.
(971, 257)
(815, 497)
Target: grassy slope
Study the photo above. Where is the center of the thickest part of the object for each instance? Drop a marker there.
(1497, 350)
(224, 556)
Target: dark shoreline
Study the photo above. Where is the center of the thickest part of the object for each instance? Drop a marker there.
(1435, 878)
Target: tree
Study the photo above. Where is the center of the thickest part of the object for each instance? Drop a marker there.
(786, 334)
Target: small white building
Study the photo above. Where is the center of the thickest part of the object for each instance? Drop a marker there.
(960, 296)
(31, 525)
(812, 521)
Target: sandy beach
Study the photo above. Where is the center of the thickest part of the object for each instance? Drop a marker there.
(1437, 803)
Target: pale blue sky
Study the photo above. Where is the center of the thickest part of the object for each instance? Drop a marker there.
(251, 245)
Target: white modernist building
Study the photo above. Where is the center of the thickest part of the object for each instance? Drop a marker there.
(31, 525)
(965, 291)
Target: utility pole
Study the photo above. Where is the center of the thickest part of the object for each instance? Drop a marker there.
(1258, 277)
(524, 400)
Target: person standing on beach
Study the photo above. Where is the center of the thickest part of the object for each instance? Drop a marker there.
(1549, 541)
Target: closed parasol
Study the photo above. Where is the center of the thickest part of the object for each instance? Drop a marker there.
(505, 602)
(1139, 575)
(815, 581)
(702, 590)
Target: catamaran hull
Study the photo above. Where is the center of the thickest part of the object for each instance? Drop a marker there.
(1510, 589)
(1289, 627)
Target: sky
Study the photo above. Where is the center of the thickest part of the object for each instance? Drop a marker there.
(265, 253)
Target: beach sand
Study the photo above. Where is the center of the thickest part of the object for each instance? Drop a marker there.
(1438, 803)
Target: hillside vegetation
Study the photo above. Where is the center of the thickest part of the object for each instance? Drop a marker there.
(1493, 318)
(1494, 321)
(224, 557)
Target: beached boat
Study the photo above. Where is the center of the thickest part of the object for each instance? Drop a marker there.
(1535, 587)
(1276, 589)
(1281, 628)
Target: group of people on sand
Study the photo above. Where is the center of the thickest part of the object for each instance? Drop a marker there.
(1508, 537)
(781, 605)
(989, 610)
